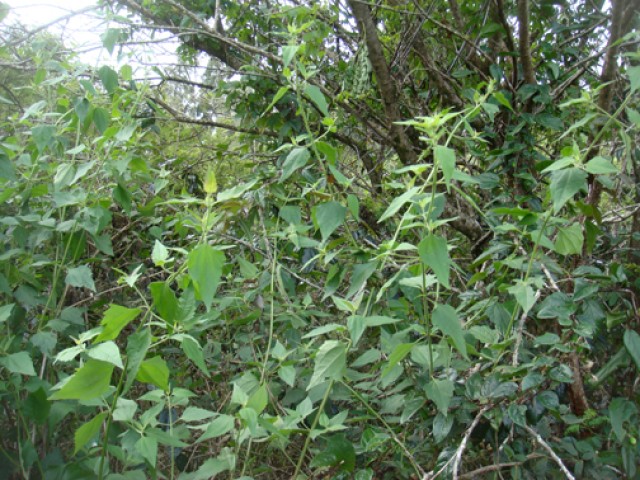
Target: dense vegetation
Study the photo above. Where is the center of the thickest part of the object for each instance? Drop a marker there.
(336, 239)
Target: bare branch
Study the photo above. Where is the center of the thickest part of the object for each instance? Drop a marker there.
(548, 448)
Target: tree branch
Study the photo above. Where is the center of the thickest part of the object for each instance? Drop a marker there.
(524, 42)
(367, 28)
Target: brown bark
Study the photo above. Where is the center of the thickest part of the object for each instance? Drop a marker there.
(524, 42)
(607, 78)
(386, 88)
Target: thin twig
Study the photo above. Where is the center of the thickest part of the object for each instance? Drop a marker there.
(457, 457)
(548, 448)
(519, 331)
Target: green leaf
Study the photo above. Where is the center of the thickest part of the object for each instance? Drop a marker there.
(7, 170)
(620, 410)
(155, 372)
(446, 158)
(354, 206)
(517, 413)
(19, 363)
(165, 301)
(125, 133)
(159, 254)
(356, 324)
(632, 342)
(565, 184)
(600, 165)
(235, 192)
(90, 381)
(193, 351)
(634, 78)
(288, 52)
(524, 295)
(107, 352)
(125, 410)
(217, 427)
(569, 240)
(212, 467)
(398, 354)
(329, 216)
(109, 78)
(441, 427)
(297, 158)
(259, 400)
(317, 97)
(5, 312)
(440, 392)
(195, 414)
(446, 319)
(287, 374)
(147, 447)
(137, 346)
(360, 275)
(398, 203)
(331, 363)
(210, 182)
(339, 452)
(291, 214)
(205, 268)
(115, 319)
(87, 431)
(43, 136)
(434, 254)
(80, 277)
(101, 119)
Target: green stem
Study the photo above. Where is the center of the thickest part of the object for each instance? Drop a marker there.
(313, 425)
(419, 470)
(105, 442)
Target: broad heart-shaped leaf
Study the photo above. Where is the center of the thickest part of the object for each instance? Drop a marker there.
(297, 158)
(107, 352)
(155, 372)
(446, 158)
(600, 165)
(109, 78)
(90, 381)
(331, 363)
(632, 342)
(440, 392)
(317, 97)
(80, 277)
(569, 240)
(115, 319)
(446, 319)
(329, 216)
(19, 363)
(101, 119)
(205, 268)
(434, 254)
(147, 446)
(565, 184)
(87, 431)
(259, 400)
(524, 294)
